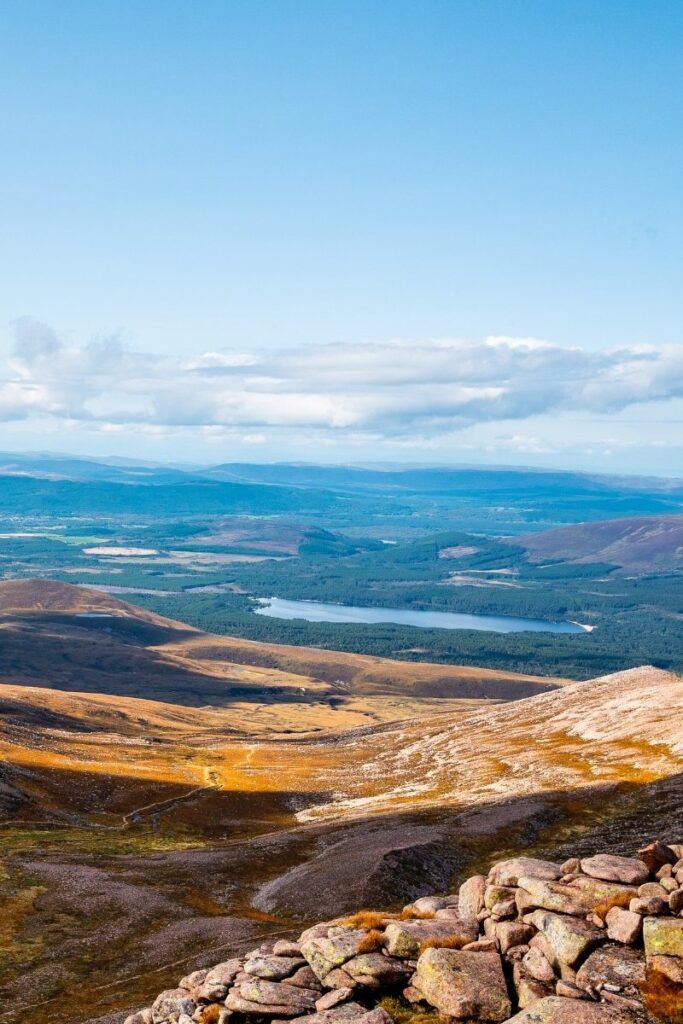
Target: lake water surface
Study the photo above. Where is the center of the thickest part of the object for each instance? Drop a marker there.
(314, 611)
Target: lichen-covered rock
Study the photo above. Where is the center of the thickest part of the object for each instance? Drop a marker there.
(509, 933)
(602, 893)
(569, 938)
(558, 896)
(348, 1011)
(274, 993)
(663, 936)
(559, 935)
(614, 967)
(251, 1008)
(338, 978)
(464, 985)
(273, 968)
(333, 949)
(497, 894)
(584, 895)
(170, 1004)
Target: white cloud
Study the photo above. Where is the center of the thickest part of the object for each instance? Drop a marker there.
(400, 391)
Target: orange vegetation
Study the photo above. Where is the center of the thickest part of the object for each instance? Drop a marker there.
(373, 940)
(447, 942)
(663, 997)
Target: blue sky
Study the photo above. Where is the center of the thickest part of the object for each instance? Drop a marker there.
(210, 209)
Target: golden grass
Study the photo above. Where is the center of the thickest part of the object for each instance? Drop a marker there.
(371, 919)
(620, 900)
(372, 941)
(211, 1013)
(447, 942)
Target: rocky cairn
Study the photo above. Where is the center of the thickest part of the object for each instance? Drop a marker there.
(591, 941)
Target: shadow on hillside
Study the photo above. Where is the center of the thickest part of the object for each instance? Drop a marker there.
(138, 911)
(115, 807)
(86, 660)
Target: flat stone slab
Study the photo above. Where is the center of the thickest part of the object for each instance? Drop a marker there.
(559, 1010)
(509, 872)
(464, 985)
(580, 897)
(289, 1000)
(403, 938)
(273, 968)
(630, 870)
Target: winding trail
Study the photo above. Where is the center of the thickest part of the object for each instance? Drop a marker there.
(161, 806)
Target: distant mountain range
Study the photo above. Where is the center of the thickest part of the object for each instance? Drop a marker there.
(41, 483)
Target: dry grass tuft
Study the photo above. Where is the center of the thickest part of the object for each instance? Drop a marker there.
(447, 942)
(372, 941)
(403, 1013)
(663, 997)
(378, 919)
(369, 919)
(210, 1014)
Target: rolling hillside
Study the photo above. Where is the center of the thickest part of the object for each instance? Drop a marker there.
(644, 543)
(73, 638)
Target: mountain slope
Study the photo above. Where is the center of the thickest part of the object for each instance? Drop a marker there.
(643, 543)
(73, 638)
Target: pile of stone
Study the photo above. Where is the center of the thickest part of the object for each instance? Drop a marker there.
(591, 941)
